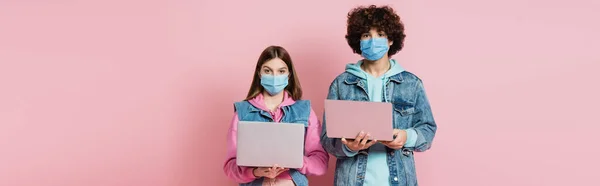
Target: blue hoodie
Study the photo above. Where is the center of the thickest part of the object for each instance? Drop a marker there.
(377, 169)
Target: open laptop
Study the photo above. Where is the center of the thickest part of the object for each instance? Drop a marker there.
(264, 144)
(347, 118)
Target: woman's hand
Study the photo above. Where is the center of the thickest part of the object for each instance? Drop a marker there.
(360, 142)
(399, 140)
(268, 172)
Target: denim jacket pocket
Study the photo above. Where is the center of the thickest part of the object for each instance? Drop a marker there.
(405, 109)
(403, 115)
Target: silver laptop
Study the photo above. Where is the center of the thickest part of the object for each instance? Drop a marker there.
(264, 144)
(347, 118)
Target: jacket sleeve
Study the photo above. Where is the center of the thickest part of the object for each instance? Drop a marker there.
(423, 122)
(237, 173)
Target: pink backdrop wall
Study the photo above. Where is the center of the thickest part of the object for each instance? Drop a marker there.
(120, 93)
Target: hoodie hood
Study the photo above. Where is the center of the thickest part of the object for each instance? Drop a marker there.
(259, 101)
(375, 85)
(277, 114)
(354, 69)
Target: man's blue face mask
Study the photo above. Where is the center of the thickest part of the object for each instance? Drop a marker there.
(374, 48)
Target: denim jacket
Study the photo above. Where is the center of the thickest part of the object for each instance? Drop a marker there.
(411, 110)
(299, 112)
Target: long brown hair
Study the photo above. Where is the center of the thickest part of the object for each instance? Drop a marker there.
(294, 89)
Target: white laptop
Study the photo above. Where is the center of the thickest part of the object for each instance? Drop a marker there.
(347, 118)
(264, 144)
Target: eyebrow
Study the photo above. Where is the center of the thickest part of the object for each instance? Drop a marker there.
(282, 68)
(368, 33)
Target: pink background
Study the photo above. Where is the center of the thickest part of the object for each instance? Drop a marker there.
(126, 92)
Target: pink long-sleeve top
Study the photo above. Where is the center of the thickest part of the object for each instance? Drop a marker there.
(315, 157)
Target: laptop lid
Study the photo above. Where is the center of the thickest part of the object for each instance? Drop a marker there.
(347, 118)
(264, 144)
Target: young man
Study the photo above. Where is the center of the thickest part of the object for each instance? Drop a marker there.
(377, 33)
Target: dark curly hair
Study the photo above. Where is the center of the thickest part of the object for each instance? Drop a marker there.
(384, 18)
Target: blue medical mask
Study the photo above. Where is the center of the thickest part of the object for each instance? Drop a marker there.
(274, 84)
(374, 48)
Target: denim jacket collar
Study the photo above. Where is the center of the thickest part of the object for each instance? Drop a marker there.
(352, 79)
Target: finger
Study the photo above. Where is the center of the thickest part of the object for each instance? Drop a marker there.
(395, 132)
(271, 174)
(390, 144)
(370, 143)
(363, 142)
(395, 141)
(397, 147)
(351, 145)
(344, 141)
(399, 143)
(263, 169)
(360, 136)
(396, 135)
(369, 137)
(279, 170)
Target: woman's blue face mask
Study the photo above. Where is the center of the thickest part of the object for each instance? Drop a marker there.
(274, 84)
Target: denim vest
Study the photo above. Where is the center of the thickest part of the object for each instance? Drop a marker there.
(410, 110)
(298, 112)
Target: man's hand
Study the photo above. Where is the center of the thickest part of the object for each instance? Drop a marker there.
(360, 142)
(399, 140)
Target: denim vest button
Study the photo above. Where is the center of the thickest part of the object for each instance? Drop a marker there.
(395, 178)
(392, 153)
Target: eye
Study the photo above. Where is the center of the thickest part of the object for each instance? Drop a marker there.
(282, 71)
(266, 70)
(365, 36)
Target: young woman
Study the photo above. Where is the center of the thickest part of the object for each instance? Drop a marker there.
(377, 33)
(275, 96)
